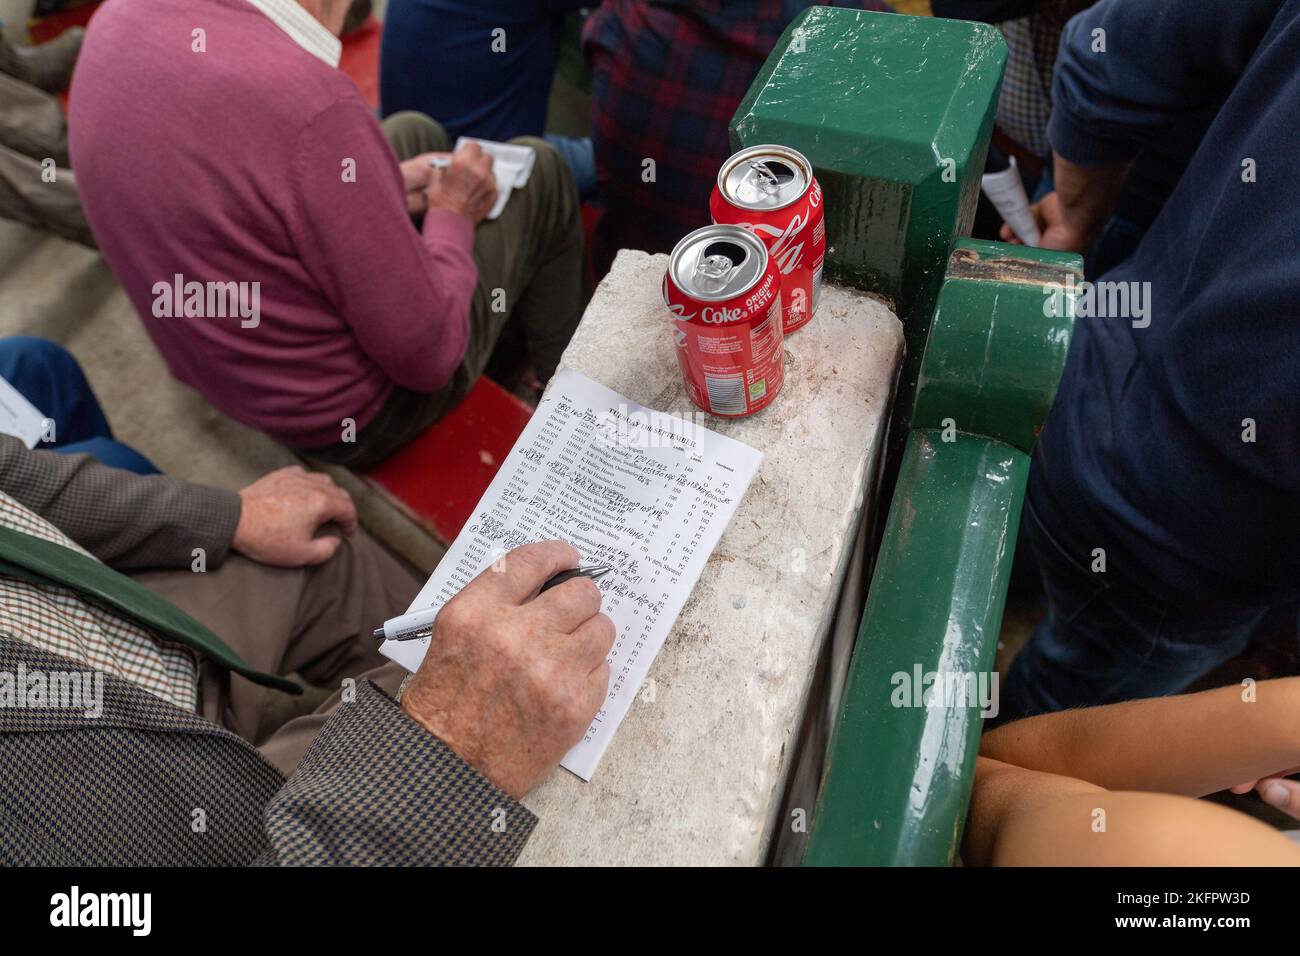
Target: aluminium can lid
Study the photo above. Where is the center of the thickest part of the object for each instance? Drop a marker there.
(715, 263)
(765, 177)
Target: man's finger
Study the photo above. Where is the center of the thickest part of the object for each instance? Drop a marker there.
(597, 687)
(435, 180)
(322, 478)
(336, 505)
(319, 550)
(570, 604)
(469, 152)
(593, 640)
(520, 574)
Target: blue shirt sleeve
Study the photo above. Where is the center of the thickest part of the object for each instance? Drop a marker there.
(1129, 69)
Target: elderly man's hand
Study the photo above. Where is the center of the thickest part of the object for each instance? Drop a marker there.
(512, 678)
(283, 511)
(467, 186)
(415, 177)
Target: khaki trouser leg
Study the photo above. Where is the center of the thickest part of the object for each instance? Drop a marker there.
(529, 259)
(32, 132)
(532, 254)
(32, 122)
(412, 134)
(285, 747)
(314, 621)
(26, 197)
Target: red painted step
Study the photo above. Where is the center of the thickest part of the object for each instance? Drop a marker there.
(441, 475)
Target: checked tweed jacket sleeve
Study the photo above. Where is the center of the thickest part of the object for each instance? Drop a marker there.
(148, 784)
(144, 782)
(130, 522)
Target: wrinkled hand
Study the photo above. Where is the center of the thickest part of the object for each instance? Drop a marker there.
(1276, 791)
(283, 511)
(415, 177)
(1057, 231)
(512, 678)
(468, 186)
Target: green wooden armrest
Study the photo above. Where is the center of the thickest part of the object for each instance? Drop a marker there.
(901, 763)
(895, 113)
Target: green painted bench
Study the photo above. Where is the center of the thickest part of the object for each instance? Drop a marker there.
(896, 114)
(898, 775)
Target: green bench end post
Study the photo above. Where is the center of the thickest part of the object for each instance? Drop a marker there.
(900, 766)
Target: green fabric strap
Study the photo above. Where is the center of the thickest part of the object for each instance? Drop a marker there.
(44, 562)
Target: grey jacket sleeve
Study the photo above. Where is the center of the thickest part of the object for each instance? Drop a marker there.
(126, 520)
(376, 788)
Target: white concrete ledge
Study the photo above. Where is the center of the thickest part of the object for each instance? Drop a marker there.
(696, 772)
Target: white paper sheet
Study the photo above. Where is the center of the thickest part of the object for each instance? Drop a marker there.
(19, 417)
(645, 493)
(1006, 190)
(511, 164)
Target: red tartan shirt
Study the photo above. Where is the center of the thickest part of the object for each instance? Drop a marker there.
(667, 75)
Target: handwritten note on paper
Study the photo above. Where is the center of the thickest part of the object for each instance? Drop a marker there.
(645, 493)
(19, 417)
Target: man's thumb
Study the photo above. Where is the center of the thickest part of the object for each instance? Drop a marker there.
(1283, 794)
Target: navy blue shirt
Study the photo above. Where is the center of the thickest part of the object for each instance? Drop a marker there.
(1143, 453)
(438, 58)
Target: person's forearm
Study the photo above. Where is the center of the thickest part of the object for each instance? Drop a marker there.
(1088, 196)
(405, 295)
(1129, 70)
(1023, 818)
(129, 521)
(1191, 744)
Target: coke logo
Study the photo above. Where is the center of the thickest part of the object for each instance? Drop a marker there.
(676, 309)
(720, 315)
(815, 194)
(782, 246)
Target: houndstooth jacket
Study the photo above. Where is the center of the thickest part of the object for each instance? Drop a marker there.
(148, 783)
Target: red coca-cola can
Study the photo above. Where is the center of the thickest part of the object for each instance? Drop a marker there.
(724, 294)
(771, 191)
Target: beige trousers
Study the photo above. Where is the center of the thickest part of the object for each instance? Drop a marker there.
(315, 622)
(32, 131)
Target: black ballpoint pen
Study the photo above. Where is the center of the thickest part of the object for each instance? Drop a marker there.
(593, 572)
(420, 628)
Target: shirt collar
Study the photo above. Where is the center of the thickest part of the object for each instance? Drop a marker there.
(303, 29)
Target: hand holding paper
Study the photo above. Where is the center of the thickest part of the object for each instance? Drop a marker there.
(513, 677)
(512, 165)
(644, 493)
(463, 182)
(19, 417)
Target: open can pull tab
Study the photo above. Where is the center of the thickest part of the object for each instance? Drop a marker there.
(713, 271)
(765, 178)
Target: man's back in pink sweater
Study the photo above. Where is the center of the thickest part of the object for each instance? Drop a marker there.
(237, 156)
